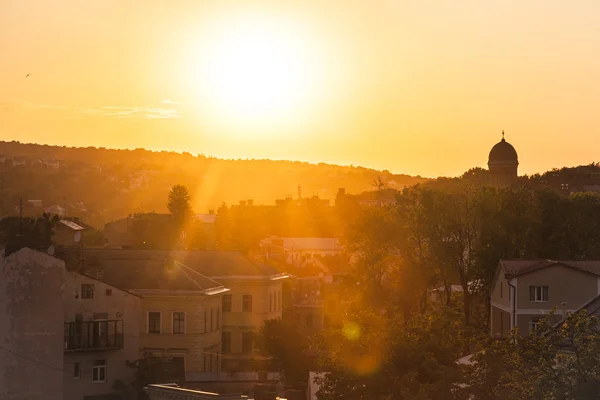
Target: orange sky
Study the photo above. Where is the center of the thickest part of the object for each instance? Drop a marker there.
(418, 87)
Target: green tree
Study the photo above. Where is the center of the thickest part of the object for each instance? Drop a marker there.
(148, 369)
(179, 204)
(35, 233)
(287, 349)
(555, 362)
(378, 357)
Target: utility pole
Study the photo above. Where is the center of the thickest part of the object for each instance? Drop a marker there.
(20, 222)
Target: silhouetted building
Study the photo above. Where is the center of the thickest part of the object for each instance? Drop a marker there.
(503, 164)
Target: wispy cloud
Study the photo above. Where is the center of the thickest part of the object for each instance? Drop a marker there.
(131, 112)
(171, 102)
(141, 112)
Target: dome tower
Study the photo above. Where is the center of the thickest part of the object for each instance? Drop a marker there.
(503, 163)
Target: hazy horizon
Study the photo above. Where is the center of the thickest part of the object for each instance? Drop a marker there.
(414, 88)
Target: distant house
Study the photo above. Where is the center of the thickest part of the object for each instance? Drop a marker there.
(119, 233)
(291, 249)
(68, 233)
(523, 291)
(52, 163)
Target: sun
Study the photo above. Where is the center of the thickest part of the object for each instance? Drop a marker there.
(257, 70)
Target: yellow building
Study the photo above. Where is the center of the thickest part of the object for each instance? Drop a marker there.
(101, 335)
(181, 315)
(254, 296)
(199, 308)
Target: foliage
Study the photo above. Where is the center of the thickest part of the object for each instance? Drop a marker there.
(113, 183)
(286, 347)
(148, 369)
(35, 233)
(179, 204)
(379, 357)
(560, 362)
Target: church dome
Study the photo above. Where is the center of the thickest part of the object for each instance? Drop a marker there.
(503, 152)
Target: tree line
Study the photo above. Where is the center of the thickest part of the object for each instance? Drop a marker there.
(396, 344)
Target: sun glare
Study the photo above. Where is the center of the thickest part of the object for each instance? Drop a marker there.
(256, 70)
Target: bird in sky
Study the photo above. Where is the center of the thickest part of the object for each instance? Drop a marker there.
(27, 75)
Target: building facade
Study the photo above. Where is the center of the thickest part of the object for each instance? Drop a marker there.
(255, 296)
(101, 334)
(31, 326)
(180, 318)
(523, 292)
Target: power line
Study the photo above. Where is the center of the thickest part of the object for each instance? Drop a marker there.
(31, 359)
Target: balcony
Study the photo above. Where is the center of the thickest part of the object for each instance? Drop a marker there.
(93, 335)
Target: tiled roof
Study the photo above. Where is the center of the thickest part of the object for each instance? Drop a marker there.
(520, 267)
(169, 270)
(223, 264)
(122, 269)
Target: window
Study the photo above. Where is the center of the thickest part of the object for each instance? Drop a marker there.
(280, 301)
(270, 302)
(226, 342)
(538, 293)
(535, 325)
(309, 321)
(154, 322)
(87, 291)
(207, 360)
(218, 319)
(247, 338)
(226, 303)
(211, 320)
(76, 370)
(275, 301)
(178, 322)
(99, 371)
(247, 303)
(109, 292)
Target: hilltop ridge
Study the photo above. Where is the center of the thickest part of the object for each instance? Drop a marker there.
(103, 184)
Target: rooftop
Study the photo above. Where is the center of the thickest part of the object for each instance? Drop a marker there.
(514, 268)
(170, 270)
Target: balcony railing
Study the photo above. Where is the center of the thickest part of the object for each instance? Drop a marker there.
(93, 335)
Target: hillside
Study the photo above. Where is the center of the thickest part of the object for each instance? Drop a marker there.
(101, 184)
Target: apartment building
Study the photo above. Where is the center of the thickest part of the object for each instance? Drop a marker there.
(255, 296)
(523, 291)
(101, 333)
(180, 318)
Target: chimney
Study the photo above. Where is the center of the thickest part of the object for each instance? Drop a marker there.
(341, 191)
